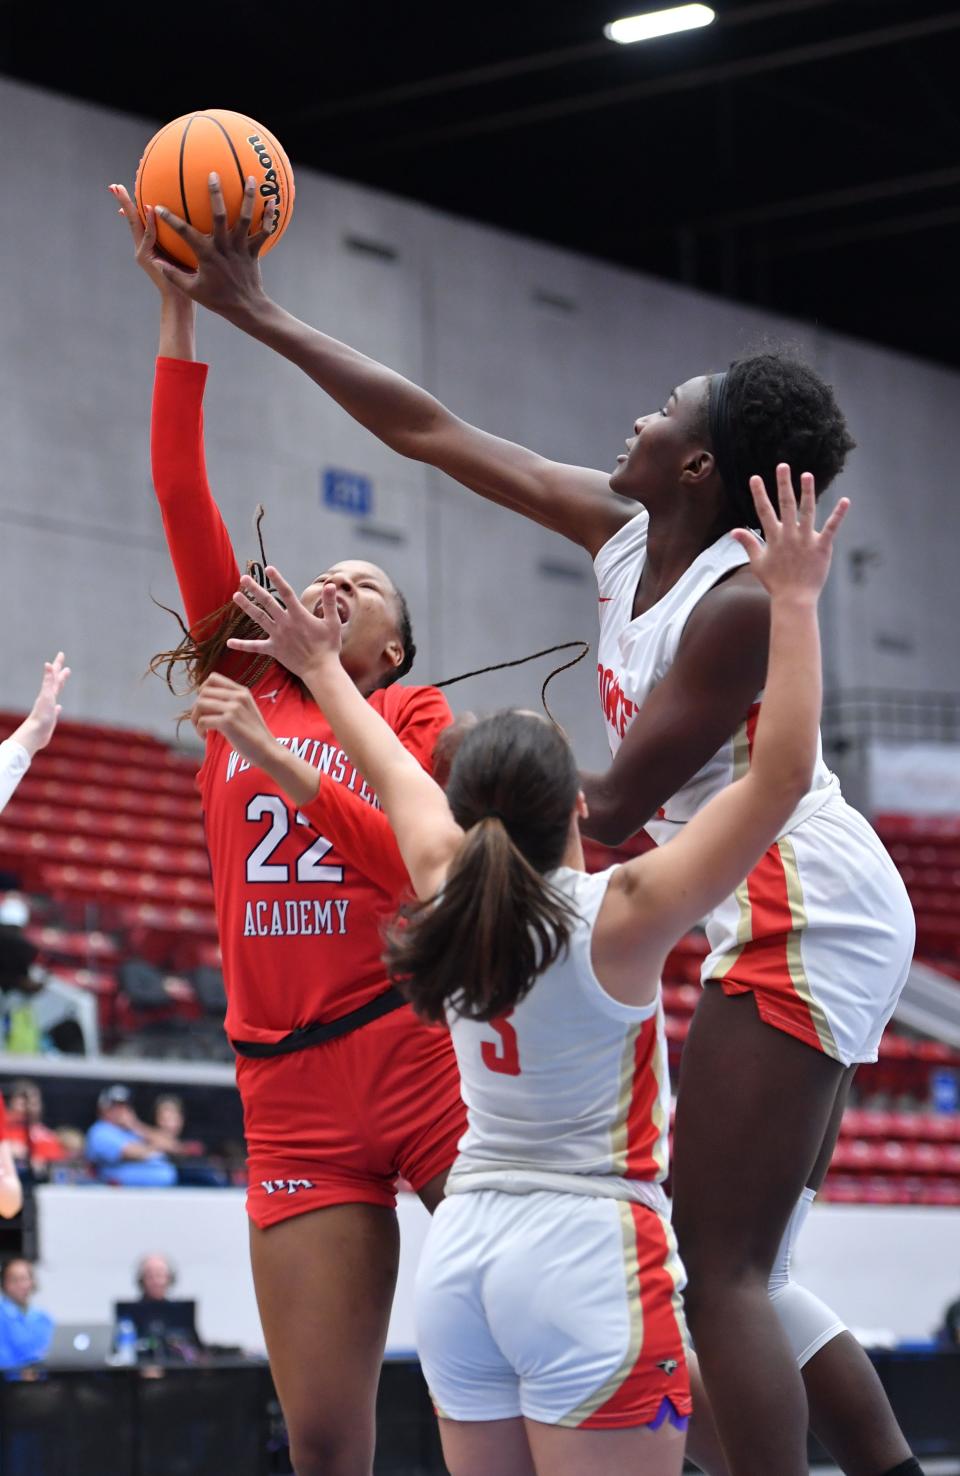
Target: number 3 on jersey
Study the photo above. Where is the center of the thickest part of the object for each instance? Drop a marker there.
(309, 863)
(502, 1055)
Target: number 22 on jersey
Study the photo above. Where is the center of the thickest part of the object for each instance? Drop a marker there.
(309, 866)
(503, 1054)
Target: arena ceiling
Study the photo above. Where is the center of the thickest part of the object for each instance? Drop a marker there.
(799, 154)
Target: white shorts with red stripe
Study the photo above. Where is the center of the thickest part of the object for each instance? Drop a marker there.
(559, 1307)
(821, 933)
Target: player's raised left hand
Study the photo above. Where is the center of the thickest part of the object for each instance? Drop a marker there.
(37, 728)
(298, 639)
(793, 560)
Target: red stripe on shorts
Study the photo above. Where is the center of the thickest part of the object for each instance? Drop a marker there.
(639, 1397)
(762, 965)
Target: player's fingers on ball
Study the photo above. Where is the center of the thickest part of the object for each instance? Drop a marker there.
(218, 209)
(242, 227)
(148, 235)
(268, 224)
(260, 237)
(196, 240)
(126, 207)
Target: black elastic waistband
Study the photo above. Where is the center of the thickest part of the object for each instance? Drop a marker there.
(313, 1035)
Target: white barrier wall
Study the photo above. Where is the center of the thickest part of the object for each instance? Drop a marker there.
(891, 1271)
(554, 349)
(91, 1240)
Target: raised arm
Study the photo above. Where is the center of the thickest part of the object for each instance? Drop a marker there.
(572, 500)
(415, 805)
(36, 730)
(657, 897)
(200, 549)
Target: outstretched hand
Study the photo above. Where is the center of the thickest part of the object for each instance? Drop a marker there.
(793, 559)
(293, 635)
(227, 278)
(37, 728)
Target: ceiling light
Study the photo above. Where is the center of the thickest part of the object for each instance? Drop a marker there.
(658, 23)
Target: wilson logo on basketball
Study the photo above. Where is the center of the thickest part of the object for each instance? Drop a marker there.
(271, 184)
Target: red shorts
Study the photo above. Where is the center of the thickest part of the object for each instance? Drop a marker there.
(339, 1123)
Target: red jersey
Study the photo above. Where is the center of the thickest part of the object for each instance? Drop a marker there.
(300, 922)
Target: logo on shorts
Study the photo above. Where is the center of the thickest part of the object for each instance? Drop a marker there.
(277, 1186)
(669, 1365)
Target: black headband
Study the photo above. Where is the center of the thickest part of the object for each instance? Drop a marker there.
(736, 483)
(720, 433)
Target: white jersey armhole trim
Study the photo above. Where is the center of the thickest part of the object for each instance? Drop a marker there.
(617, 545)
(591, 986)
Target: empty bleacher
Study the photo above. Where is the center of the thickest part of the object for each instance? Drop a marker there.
(106, 836)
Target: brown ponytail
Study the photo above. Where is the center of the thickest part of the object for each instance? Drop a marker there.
(478, 948)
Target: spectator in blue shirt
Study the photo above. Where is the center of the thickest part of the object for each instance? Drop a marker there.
(25, 1331)
(123, 1150)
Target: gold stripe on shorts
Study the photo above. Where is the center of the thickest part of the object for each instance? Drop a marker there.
(631, 1268)
(798, 974)
(727, 960)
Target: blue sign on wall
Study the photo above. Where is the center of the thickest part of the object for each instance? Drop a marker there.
(346, 491)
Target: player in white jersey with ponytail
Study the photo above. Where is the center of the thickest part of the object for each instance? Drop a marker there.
(548, 1299)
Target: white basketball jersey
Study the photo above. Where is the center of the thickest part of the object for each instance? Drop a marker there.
(570, 1090)
(634, 654)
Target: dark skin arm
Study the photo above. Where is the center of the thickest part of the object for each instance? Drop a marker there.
(574, 501)
(719, 669)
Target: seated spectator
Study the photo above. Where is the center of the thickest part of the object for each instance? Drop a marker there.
(25, 1331)
(169, 1118)
(154, 1277)
(123, 1150)
(34, 1145)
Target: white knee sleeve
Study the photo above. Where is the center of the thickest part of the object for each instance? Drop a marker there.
(808, 1323)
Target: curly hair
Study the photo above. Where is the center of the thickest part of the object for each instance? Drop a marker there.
(779, 409)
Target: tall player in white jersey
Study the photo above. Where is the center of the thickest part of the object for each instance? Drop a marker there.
(548, 1300)
(819, 936)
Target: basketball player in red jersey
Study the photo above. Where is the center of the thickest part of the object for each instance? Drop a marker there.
(806, 963)
(343, 1090)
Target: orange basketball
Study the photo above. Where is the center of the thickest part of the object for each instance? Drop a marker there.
(176, 167)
